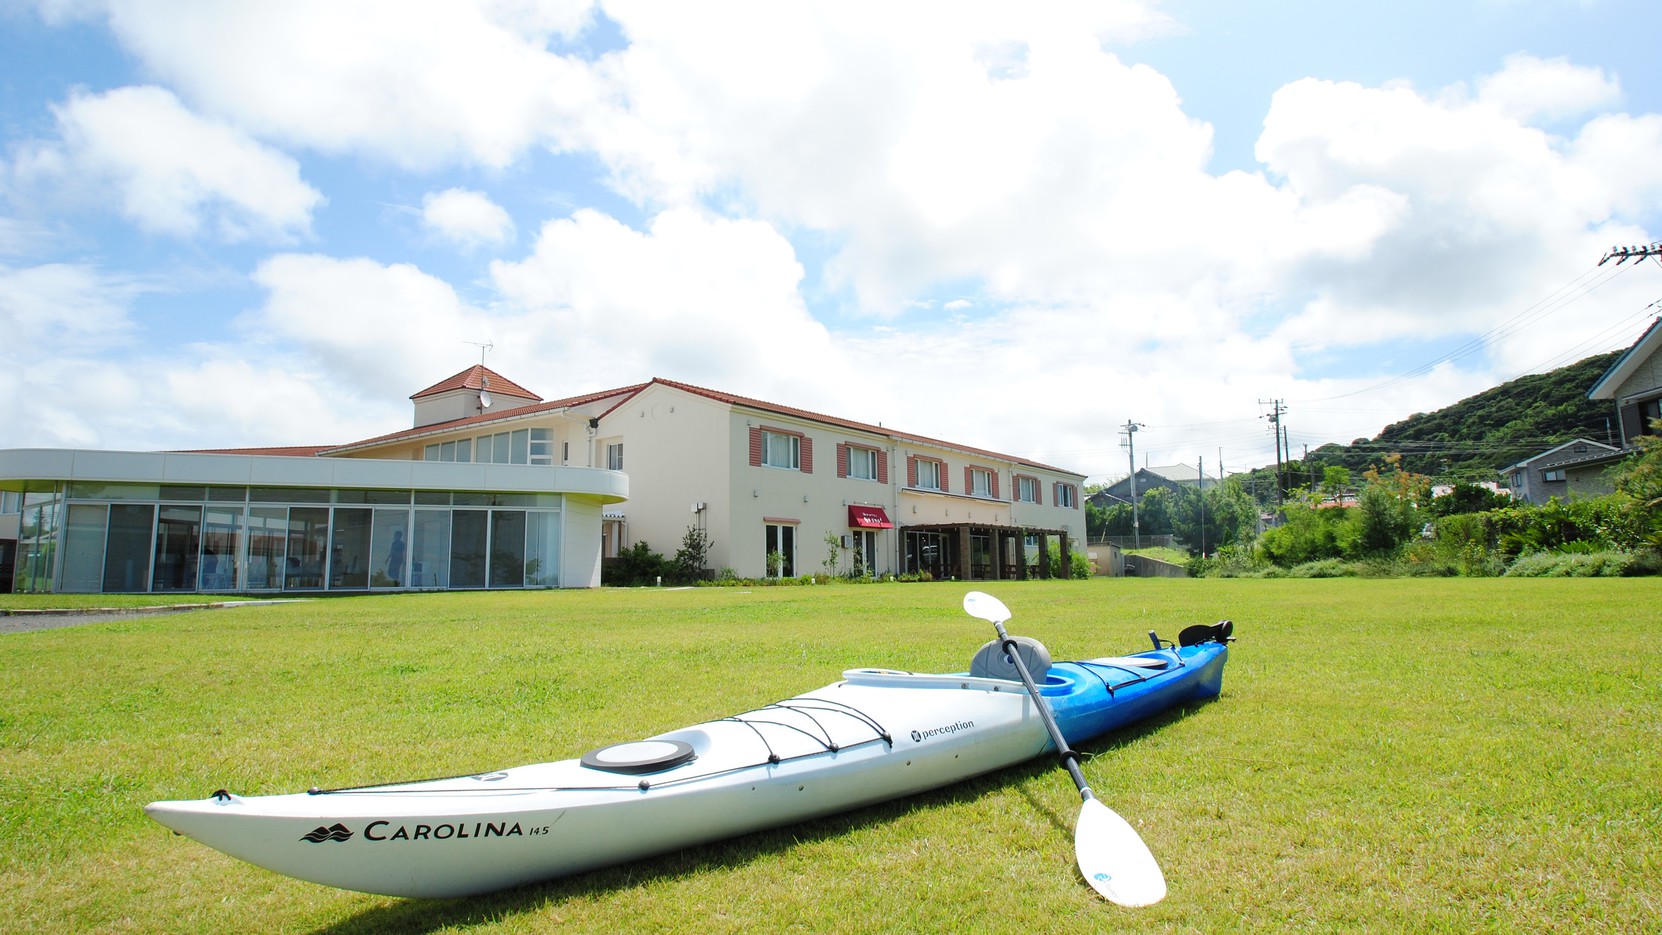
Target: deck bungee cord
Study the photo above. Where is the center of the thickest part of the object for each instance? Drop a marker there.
(799, 705)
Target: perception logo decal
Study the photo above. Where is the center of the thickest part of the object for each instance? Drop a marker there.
(919, 736)
(335, 832)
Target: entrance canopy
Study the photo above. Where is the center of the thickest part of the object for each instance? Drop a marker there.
(868, 517)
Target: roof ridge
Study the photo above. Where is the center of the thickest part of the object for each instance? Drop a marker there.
(474, 378)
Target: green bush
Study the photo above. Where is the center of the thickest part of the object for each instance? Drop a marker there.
(637, 566)
(1323, 568)
(1609, 564)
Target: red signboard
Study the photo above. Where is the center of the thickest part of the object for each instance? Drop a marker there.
(868, 517)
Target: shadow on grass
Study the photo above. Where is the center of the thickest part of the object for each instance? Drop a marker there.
(429, 915)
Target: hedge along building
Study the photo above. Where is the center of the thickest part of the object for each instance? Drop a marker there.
(495, 488)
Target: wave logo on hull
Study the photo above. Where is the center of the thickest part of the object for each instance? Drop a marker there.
(335, 832)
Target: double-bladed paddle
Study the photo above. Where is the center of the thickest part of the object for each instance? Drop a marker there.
(1112, 856)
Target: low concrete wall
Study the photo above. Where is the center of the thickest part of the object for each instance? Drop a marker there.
(1142, 567)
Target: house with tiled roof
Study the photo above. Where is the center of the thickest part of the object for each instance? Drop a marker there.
(777, 489)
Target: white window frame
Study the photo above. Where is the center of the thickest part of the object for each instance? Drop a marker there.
(981, 482)
(1065, 496)
(1027, 489)
(934, 468)
(614, 456)
(862, 463)
(781, 450)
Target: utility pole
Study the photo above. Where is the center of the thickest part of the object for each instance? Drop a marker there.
(1200, 468)
(1130, 434)
(1277, 409)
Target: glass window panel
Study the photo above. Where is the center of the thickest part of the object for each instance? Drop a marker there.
(464, 450)
(178, 539)
(521, 446)
(542, 550)
(390, 549)
(500, 449)
(351, 496)
(221, 545)
(430, 549)
(127, 549)
(431, 452)
(862, 463)
(447, 451)
(227, 494)
(542, 446)
(349, 549)
(482, 449)
(507, 548)
(308, 545)
(37, 543)
(267, 533)
(83, 548)
(433, 497)
(781, 550)
(287, 495)
(472, 499)
(387, 497)
(96, 491)
(467, 548)
(187, 492)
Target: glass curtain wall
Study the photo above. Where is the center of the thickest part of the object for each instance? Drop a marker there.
(178, 540)
(349, 555)
(226, 543)
(507, 548)
(127, 549)
(83, 547)
(468, 542)
(430, 549)
(221, 547)
(267, 535)
(308, 542)
(542, 550)
(391, 548)
(37, 543)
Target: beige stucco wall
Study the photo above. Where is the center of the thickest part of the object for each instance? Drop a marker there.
(669, 456)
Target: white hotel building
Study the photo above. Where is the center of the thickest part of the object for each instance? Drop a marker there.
(494, 487)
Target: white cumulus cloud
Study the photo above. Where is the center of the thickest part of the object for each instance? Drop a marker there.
(466, 218)
(169, 170)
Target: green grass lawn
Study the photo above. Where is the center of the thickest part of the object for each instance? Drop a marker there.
(1451, 755)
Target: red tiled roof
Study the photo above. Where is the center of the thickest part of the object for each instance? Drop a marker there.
(518, 412)
(473, 378)
(763, 405)
(626, 393)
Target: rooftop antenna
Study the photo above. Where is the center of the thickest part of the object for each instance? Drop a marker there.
(484, 377)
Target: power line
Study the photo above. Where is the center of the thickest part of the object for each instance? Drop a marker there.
(1554, 302)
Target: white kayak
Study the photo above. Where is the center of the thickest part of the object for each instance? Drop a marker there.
(875, 735)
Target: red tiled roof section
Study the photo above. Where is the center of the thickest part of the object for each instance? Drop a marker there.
(485, 417)
(473, 378)
(765, 406)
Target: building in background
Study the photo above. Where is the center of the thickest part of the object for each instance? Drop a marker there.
(493, 487)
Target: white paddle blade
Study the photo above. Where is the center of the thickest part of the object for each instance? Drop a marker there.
(984, 606)
(1114, 859)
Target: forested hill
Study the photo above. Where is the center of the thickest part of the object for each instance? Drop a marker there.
(1477, 436)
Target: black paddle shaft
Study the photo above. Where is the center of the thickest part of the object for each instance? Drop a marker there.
(1069, 759)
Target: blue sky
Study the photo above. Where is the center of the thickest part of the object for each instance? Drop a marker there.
(233, 225)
